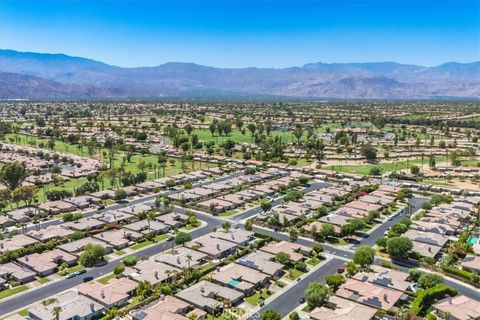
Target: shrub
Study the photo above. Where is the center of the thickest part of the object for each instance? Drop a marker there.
(458, 272)
(130, 261)
(429, 280)
(426, 297)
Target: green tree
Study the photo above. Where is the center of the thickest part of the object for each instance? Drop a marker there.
(56, 312)
(13, 174)
(326, 231)
(415, 274)
(118, 270)
(182, 238)
(265, 205)
(429, 280)
(316, 294)
(226, 226)
(130, 261)
(282, 257)
(375, 171)
(334, 281)
(399, 247)
(92, 255)
(293, 234)
(351, 268)
(317, 248)
(364, 256)
(270, 315)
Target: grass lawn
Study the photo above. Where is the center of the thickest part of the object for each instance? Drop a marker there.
(131, 166)
(120, 253)
(141, 245)
(105, 279)
(75, 268)
(227, 213)
(258, 296)
(338, 241)
(10, 292)
(42, 280)
(23, 312)
(385, 167)
(313, 261)
(161, 237)
(294, 273)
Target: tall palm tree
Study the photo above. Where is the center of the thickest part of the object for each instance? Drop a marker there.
(56, 312)
(150, 217)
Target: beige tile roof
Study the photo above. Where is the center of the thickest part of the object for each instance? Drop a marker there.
(115, 291)
(369, 294)
(460, 307)
(342, 309)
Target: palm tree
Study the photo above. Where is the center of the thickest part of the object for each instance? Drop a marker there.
(150, 217)
(56, 312)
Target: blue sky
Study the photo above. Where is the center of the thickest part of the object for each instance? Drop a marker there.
(234, 33)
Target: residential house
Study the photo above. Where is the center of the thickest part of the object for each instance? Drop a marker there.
(72, 306)
(115, 293)
(342, 309)
(214, 247)
(47, 262)
(152, 271)
(457, 308)
(263, 262)
(239, 277)
(209, 296)
(182, 257)
(296, 251)
(370, 294)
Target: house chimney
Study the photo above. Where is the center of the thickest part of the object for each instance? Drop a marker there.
(26, 258)
(385, 297)
(92, 307)
(218, 246)
(178, 260)
(102, 294)
(202, 290)
(156, 274)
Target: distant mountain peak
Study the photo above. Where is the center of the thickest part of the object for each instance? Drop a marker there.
(35, 75)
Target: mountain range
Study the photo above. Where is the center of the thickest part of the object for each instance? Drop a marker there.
(26, 75)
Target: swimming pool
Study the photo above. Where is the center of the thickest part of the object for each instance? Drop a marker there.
(234, 283)
(473, 239)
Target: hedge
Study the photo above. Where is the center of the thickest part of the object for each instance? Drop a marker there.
(467, 275)
(426, 297)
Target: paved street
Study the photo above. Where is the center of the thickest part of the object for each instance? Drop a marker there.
(283, 304)
(290, 299)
